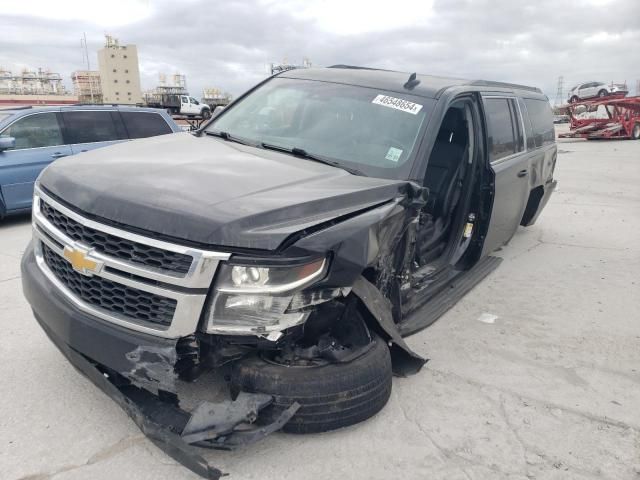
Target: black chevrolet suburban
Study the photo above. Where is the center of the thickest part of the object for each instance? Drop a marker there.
(285, 248)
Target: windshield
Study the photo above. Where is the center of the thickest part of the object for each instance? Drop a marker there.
(371, 130)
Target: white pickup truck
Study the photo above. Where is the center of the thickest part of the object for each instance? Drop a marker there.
(179, 104)
(191, 107)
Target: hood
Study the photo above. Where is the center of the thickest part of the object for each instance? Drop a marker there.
(209, 191)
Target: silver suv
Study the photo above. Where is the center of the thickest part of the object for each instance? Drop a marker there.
(595, 89)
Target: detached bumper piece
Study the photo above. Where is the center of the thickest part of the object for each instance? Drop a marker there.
(220, 426)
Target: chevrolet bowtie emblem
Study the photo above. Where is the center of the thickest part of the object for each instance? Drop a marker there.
(80, 260)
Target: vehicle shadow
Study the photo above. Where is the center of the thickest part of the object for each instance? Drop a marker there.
(15, 220)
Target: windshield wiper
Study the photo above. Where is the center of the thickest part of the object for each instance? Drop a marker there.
(302, 153)
(230, 138)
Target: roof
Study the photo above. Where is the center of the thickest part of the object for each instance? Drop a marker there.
(429, 86)
(62, 108)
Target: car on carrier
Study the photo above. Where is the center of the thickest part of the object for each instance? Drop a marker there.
(585, 91)
(290, 244)
(33, 137)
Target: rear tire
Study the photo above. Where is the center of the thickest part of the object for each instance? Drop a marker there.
(635, 133)
(331, 396)
(602, 93)
(574, 99)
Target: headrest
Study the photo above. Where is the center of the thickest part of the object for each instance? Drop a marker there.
(453, 122)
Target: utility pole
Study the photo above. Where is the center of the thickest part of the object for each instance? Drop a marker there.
(89, 76)
(560, 92)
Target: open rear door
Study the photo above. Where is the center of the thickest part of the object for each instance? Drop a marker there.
(510, 164)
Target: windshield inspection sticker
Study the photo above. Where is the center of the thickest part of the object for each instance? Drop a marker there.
(393, 154)
(398, 104)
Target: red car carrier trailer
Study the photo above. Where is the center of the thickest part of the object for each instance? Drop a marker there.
(622, 121)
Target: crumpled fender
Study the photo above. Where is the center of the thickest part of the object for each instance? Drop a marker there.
(405, 361)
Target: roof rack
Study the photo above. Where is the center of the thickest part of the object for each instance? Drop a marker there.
(488, 83)
(355, 67)
(23, 107)
(102, 105)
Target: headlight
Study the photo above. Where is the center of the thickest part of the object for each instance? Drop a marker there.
(256, 299)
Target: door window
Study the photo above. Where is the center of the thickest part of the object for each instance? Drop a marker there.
(194, 101)
(541, 121)
(90, 126)
(35, 131)
(144, 124)
(502, 134)
(528, 130)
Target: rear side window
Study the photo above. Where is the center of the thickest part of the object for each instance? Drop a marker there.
(90, 126)
(144, 124)
(35, 131)
(541, 121)
(503, 129)
(527, 125)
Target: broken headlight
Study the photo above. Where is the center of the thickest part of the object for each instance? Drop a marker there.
(255, 300)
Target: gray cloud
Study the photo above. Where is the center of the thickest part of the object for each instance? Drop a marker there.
(228, 44)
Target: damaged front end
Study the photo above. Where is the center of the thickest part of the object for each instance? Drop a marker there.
(323, 299)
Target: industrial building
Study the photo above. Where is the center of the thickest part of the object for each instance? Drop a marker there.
(33, 87)
(86, 86)
(119, 73)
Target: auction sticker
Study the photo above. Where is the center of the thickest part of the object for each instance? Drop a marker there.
(393, 154)
(397, 103)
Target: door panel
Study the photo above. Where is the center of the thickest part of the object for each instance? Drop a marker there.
(38, 138)
(511, 169)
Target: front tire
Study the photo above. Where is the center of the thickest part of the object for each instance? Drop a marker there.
(206, 113)
(331, 396)
(602, 93)
(635, 133)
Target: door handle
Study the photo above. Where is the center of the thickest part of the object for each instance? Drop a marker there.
(58, 155)
(523, 173)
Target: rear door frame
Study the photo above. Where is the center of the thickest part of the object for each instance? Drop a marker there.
(511, 184)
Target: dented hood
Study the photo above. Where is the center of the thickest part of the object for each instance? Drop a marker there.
(210, 191)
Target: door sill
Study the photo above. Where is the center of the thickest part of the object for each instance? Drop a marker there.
(442, 301)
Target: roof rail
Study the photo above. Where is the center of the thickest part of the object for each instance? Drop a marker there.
(488, 83)
(355, 67)
(23, 107)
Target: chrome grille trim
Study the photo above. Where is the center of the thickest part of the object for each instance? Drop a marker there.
(189, 304)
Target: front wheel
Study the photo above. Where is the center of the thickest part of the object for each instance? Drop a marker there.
(635, 133)
(602, 93)
(206, 113)
(331, 396)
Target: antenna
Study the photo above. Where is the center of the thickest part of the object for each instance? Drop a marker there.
(86, 55)
(560, 92)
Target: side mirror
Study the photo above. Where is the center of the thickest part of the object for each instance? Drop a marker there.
(6, 143)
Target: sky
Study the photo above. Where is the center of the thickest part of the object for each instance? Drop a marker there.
(229, 44)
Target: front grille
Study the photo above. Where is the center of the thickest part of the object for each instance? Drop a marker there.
(111, 296)
(117, 247)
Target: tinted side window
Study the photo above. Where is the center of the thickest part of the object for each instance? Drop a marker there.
(144, 124)
(502, 138)
(34, 131)
(541, 121)
(527, 125)
(90, 126)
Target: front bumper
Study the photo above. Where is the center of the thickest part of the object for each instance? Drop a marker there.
(108, 344)
(129, 365)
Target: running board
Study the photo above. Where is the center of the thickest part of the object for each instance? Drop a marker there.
(448, 297)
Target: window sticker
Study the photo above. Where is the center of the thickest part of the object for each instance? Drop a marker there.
(398, 104)
(393, 154)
